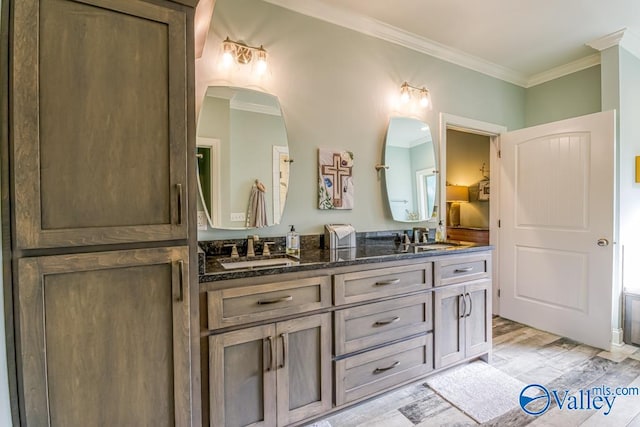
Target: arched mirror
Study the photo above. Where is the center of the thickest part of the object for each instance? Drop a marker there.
(243, 158)
(411, 174)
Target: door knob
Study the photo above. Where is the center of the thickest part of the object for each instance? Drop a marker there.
(603, 242)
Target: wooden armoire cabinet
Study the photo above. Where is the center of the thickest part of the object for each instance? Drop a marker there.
(101, 188)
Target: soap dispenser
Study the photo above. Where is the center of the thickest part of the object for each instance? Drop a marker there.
(440, 232)
(293, 242)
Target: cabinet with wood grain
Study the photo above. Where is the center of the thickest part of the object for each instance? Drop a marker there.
(108, 338)
(99, 122)
(100, 127)
(271, 375)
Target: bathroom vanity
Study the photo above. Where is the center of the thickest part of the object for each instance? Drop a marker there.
(284, 345)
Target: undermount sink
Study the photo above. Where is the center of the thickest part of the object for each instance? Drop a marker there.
(436, 246)
(236, 264)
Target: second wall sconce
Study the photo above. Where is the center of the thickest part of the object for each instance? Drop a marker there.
(241, 53)
(407, 92)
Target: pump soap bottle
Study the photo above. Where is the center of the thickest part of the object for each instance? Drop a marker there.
(440, 233)
(293, 242)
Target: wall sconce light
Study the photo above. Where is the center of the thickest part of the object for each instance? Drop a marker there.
(424, 97)
(244, 54)
(455, 195)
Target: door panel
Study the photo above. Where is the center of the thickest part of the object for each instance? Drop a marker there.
(557, 190)
(304, 368)
(114, 100)
(449, 326)
(115, 329)
(478, 319)
(242, 378)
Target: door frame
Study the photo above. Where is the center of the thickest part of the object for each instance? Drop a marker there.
(493, 131)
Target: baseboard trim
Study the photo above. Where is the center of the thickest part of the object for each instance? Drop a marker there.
(616, 337)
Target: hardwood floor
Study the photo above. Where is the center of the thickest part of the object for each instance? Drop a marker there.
(533, 357)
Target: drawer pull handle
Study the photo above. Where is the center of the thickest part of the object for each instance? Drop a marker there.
(388, 282)
(381, 370)
(285, 349)
(464, 305)
(272, 356)
(179, 196)
(470, 305)
(387, 321)
(463, 270)
(275, 300)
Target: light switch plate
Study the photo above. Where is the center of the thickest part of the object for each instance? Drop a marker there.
(238, 216)
(202, 220)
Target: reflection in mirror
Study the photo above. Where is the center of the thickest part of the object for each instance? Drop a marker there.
(411, 176)
(243, 158)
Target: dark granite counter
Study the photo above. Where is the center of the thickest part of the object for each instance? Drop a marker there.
(366, 252)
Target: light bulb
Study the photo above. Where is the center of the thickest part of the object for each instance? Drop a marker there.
(227, 53)
(424, 98)
(261, 65)
(404, 93)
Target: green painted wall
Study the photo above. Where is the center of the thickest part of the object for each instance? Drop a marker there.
(573, 95)
(336, 88)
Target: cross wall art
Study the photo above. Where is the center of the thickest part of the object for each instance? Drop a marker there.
(335, 186)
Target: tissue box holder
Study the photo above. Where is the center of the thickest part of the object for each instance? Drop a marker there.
(331, 240)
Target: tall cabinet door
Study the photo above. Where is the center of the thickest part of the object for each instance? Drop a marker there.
(104, 338)
(99, 131)
(449, 312)
(304, 368)
(242, 378)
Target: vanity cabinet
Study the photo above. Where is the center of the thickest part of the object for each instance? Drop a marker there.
(462, 308)
(271, 375)
(108, 338)
(99, 125)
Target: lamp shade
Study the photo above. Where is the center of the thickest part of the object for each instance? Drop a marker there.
(457, 193)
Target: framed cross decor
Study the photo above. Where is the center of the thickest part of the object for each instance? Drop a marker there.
(335, 184)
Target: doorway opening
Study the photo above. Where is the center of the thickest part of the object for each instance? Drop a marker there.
(469, 155)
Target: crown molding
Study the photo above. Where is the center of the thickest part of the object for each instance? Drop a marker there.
(383, 31)
(564, 70)
(624, 38)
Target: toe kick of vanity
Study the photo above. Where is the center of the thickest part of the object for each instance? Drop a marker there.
(287, 348)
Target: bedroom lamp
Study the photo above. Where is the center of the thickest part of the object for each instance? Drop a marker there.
(456, 194)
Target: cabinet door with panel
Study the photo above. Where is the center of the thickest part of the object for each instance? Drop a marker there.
(276, 374)
(115, 326)
(462, 322)
(99, 125)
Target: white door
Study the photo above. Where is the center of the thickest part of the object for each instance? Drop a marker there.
(557, 227)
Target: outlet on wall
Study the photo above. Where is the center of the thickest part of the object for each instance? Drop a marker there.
(238, 216)
(202, 220)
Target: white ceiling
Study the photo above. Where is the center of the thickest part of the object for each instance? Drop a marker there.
(522, 41)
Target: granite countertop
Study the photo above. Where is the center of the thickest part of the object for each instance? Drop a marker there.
(313, 258)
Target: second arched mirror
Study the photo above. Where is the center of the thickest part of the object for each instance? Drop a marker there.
(411, 175)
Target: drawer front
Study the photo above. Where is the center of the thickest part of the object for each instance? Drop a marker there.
(246, 304)
(460, 269)
(366, 326)
(371, 284)
(374, 371)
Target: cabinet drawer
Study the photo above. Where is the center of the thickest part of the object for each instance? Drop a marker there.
(462, 269)
(361, 327)
(246, 304)
(368, 373)
(370, 284)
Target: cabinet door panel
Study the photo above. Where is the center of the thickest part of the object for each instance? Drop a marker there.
(478, 320)
(100, 124)
(242, 377)
(304, 368)
(115, 326)
(449, 326)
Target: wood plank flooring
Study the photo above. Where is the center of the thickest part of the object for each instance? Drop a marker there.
(531, 356)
